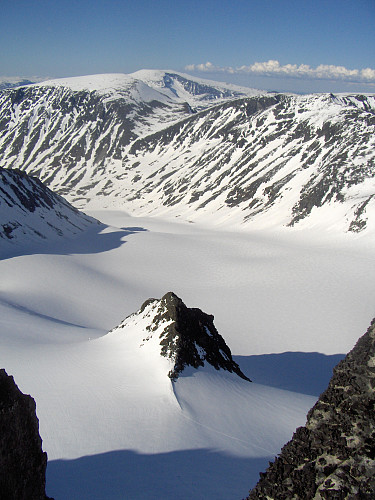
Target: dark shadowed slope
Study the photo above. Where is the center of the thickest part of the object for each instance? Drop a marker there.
(29, 211)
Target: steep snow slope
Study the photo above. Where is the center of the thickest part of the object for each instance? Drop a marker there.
(30, 211)
(73, 131)
(69, 135)
(277, 160)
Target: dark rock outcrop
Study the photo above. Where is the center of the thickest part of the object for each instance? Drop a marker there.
(189, 337)
(22, 460)
(333, 456)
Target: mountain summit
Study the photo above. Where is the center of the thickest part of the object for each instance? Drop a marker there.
(199, 93)
(185, 336)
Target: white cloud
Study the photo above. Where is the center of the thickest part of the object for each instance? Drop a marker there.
(368, 74)
(209, 68)
(274, 68)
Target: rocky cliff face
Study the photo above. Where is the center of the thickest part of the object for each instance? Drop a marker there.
(22, 461)
(333, 456)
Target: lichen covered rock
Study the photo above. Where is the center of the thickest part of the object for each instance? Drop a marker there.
(333, 456)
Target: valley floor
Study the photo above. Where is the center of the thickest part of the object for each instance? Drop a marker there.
(112, 424)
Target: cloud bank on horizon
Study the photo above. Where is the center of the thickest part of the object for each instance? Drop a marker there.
(304, 71)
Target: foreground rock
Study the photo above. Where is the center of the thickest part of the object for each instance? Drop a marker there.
(22, 460)
(187, 336)
(333, 456)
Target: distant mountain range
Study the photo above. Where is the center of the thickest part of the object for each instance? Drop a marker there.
(11, 82)
(164, 143)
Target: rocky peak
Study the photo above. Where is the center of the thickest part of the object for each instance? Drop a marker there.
(22, 460)
(333, 456)
(188, 336)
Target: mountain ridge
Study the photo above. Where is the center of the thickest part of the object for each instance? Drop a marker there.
(12, 82)
(287, 140)
(264, 159)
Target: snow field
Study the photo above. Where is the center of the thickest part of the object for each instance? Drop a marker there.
(100, 392)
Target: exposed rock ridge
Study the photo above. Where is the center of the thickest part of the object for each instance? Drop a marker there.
(22, 460)
(333, 456)
(189, 337)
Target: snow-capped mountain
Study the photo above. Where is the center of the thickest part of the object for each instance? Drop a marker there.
(67, 131)
(158, 407)
(136, 141)
(185, 336)
(197, 92)
(31, 212)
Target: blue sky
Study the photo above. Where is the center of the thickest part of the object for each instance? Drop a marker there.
(300, 45)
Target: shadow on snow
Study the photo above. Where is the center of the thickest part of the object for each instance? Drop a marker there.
(303, 372)
(91, 240)
(198, 474)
